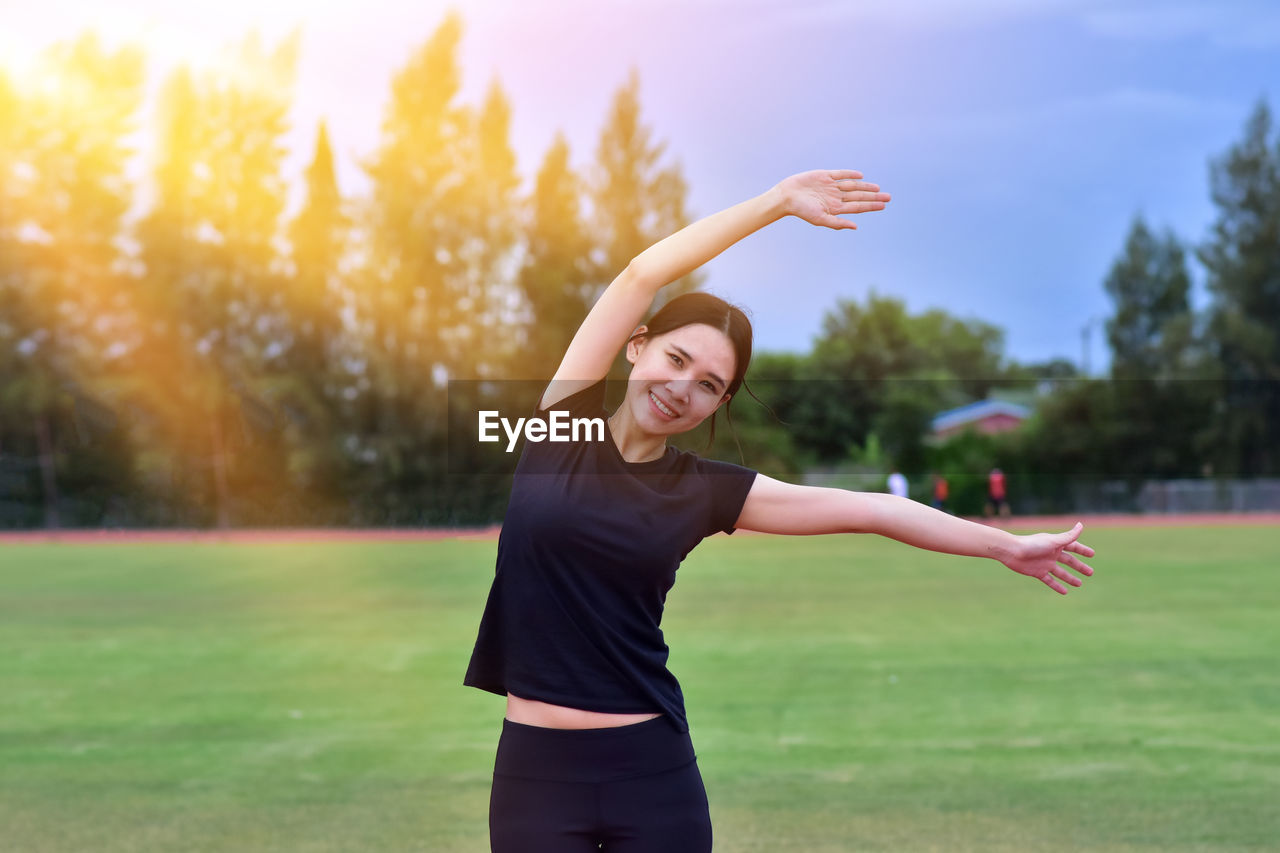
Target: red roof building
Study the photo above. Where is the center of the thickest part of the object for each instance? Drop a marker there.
(986, 417)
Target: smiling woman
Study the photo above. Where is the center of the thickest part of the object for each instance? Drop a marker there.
(595, 750)
(687, 362)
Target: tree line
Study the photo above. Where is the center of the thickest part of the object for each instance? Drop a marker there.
(177, 350)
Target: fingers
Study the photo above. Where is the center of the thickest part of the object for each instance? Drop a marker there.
(844, 174)
(1053, 584)
(1080, 548)
(1055, 577)
(1065, 538)
(1075, 563)
(1064, 575)
(860, 206)
(864, 198)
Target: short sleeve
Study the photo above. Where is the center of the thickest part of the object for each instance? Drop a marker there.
(585, 403)
(728, 485)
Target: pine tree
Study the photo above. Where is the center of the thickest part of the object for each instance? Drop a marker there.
(1243, 262)
(635, 201)
(72, 214)
(478, 344)
(438, 228)
(412, 293)
(212, 287)
(14, 325)
(556, 279)
(1152, 409)
(173, 376)
(312, 380)
(1149, 285)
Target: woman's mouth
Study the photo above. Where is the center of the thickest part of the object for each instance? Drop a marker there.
(662, 408)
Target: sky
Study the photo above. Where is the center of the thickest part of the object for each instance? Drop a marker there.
(1019, 138)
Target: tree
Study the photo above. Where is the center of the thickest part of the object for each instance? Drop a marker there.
(491, 229)
(312, 381)
(1149, 332)
(210, 248)
(556, 279)
(1155, 407)
(412, 222)
(439, 251)
(15, 322)
(11, 155)
(318, 236)
(172, 311)
(892, 368)
(635, 201)
(71, 212)
(1242, 258)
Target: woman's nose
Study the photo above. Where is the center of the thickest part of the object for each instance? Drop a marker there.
(679, 388)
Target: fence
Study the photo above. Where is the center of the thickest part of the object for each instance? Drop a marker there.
(1209, 496)
(1084, 495)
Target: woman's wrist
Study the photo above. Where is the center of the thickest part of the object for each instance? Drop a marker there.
(1006, 547)
(777, 202)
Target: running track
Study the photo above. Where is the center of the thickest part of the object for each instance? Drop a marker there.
(1050, 523)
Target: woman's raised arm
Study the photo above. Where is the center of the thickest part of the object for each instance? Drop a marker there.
(819, 197)
(773, 506)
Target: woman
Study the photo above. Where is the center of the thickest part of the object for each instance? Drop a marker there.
(595, 751)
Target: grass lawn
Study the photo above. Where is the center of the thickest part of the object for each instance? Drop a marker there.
(844, 693)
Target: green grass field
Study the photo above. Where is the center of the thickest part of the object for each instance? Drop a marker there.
(845, 694)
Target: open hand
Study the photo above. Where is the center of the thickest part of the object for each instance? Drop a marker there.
(1040, 554)
(821, 196)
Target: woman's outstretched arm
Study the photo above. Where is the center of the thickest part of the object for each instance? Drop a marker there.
(819, 197)
(773, 506)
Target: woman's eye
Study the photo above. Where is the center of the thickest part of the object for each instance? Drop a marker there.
(675, 358)
(708, 386)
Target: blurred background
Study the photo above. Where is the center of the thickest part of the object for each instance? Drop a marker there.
(246, 252)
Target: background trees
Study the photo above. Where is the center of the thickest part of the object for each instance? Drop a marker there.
(1242, 257)
(194, 346)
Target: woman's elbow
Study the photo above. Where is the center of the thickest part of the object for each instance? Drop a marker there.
(638, 275)
(862, 512)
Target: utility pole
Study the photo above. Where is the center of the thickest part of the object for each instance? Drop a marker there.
(1086, 340)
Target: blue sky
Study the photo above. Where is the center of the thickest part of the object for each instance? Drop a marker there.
(1019, 139)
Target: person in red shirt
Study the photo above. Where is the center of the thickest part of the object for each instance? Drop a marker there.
(997, 499)
(940, 491)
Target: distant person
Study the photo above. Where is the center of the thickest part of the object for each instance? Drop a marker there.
(898, 484)
(997, 499)
(595, 752)
(939, 492)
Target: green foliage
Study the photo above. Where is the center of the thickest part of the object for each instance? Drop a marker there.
(635, 199)
(1244, 278)
(877, 368)
(1149, 285)
(556, 280)
(964, 461)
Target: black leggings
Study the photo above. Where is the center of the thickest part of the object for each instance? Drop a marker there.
(630, 789)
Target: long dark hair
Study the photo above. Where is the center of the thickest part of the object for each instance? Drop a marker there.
(690, 308)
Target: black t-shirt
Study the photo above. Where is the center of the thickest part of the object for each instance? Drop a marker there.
(589, 548)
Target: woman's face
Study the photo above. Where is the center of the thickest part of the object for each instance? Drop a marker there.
(678, 379)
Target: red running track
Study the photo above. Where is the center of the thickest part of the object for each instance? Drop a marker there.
(1050, 523)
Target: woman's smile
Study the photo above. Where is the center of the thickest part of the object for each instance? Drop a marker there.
(661, 408)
